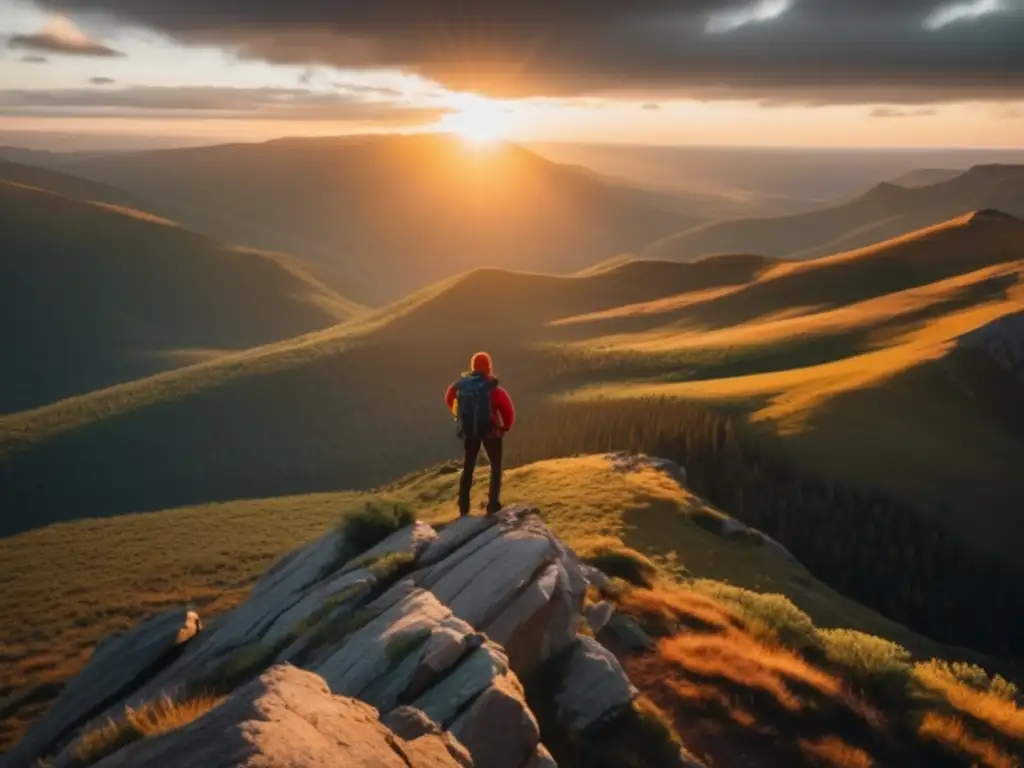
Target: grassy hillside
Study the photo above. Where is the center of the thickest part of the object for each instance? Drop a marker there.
(94, 293)
(66, 590)
(66, 185)
(887, 211)
(811, 399)
(384, 215)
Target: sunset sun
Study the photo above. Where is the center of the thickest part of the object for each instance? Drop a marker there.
(482, 123)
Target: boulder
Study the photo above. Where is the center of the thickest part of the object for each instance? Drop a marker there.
(595, 687)
(119, 665)
(287, 718)
(598, 615)
(498, 728)
(541, 758)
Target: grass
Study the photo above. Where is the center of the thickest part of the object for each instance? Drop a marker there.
(733, 690)
(150, 719)
(61, 598)
(612, 558)
(731, 664)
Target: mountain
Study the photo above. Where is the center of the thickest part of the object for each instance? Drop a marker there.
(604, 623)
(886, 211)
(95, 293)
(380, 216)
(925, 177)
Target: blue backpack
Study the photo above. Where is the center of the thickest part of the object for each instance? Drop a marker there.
(473, 406)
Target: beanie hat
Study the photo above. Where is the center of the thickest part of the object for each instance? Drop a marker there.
(481, 363)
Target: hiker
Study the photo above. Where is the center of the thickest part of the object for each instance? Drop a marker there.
(484, 412)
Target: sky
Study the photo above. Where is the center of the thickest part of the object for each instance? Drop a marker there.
(811, 73)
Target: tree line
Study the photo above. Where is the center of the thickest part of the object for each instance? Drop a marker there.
(874, 548)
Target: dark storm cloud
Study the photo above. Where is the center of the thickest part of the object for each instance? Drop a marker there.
(55, 43)
(193, 102)
(803, 50)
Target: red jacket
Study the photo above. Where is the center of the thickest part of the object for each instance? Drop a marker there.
(502, 411)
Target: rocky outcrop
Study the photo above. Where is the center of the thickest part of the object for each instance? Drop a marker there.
(412, 653)
(286, 717)
(119, 666)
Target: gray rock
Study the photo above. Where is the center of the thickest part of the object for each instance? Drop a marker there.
(498, 728)
(595, 576)
(455, 536)
(634, 462)
(345, 588)
(118, 666)
(481, 585)
(369, 652)
(598, 615)
(595, 686)
(413, 539)
(285, 719)
(445, 700)
(410, 724)
(629, 633)
(541, 759)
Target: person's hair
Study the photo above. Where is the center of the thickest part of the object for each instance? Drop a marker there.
(481, 363)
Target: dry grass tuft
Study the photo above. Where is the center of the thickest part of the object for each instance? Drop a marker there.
(952, 734)
(151, 719)
(667, 609)
(996, 712)
(834, 752)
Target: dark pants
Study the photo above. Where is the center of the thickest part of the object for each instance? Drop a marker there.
(493, 447)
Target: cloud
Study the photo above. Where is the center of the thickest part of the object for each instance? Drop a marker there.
(102, 80)
(61, 36)
(758, 11)
(945, 15)
(652, 106)
(34, 58)
(898, 112)
(209, 101)
(800, 50)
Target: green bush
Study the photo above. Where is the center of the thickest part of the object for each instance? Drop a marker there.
(772, 612)
(372, 524)
(880, 667)
(974, 676)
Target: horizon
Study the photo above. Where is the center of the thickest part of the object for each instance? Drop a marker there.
(932, 75)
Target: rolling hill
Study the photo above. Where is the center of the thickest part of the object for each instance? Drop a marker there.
(380, 216)
(799, 346)
(886, 211)
(96, 293)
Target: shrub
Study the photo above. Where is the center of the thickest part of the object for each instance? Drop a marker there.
(151, 719)
(971, 675)
(879, 666)
(613, 558)
(372, 524)
(768, 616)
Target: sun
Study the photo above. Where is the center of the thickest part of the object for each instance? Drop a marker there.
(482, 123)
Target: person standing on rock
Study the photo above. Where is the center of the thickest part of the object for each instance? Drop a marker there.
(484, 413)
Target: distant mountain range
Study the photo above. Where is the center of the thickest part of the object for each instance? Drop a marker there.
(888, 210)
(379, 216)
